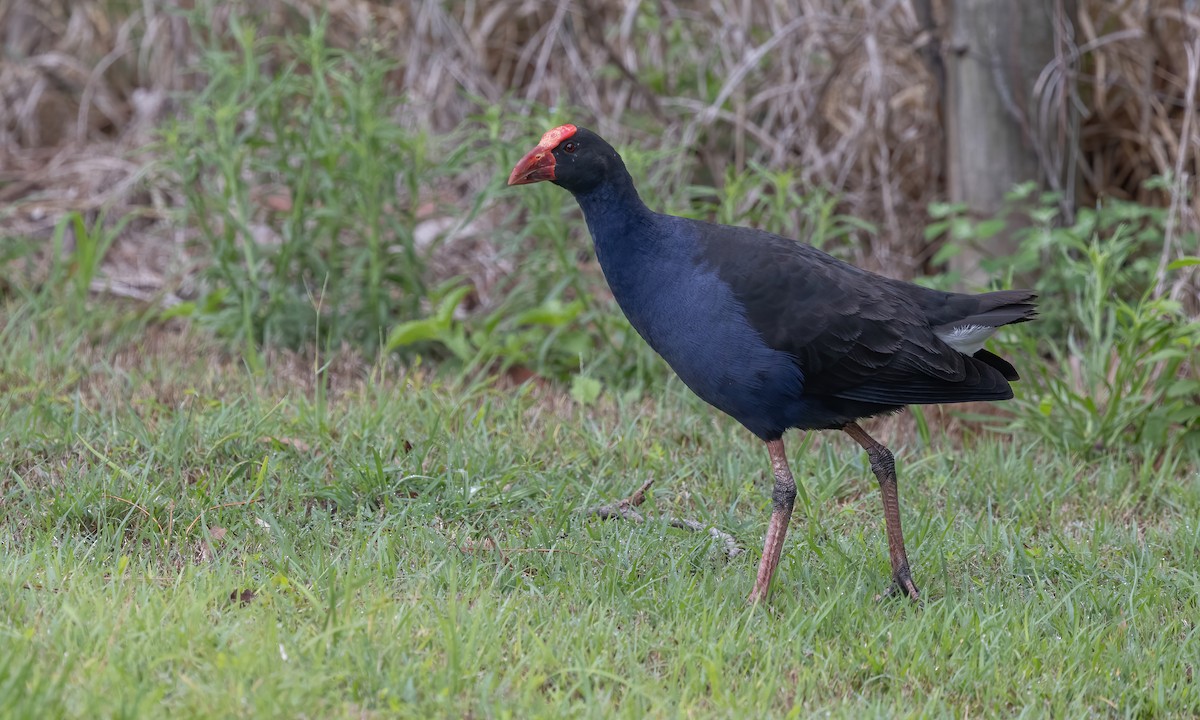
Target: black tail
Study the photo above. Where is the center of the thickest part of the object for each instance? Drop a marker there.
(1005, 367)
(994, 309)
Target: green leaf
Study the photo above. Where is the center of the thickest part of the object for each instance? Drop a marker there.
(183, 309)
(1021, 191)
(1183, 413)
(988, 228)
(1158, 182)
(864, 225)
(458, 343)
(961, 229)
(575, 344)
(933, 230)
(413, 331)
(1043, 216)
(946, 252)
(585, 390)
(1184, 388)
(1046, 406)
(1164, 354)
(214, 301)
(1183, 262)
(939, 210)
(552, 313)
(445, 311)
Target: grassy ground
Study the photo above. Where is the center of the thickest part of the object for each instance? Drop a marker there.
(341, 539)
(202, 531)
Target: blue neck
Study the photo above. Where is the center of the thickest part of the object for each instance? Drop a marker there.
(612, 209)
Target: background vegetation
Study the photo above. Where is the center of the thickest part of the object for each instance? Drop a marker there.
(300, 407)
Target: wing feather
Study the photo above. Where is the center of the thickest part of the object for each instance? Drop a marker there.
(856, 335)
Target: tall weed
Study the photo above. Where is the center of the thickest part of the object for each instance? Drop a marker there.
(1109, 364)
(305, 188)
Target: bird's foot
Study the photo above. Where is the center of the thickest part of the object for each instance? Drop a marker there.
(902, 584)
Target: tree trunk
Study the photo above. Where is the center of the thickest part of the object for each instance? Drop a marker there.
(997, 50)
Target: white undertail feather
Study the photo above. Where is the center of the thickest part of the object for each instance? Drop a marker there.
(967, 339)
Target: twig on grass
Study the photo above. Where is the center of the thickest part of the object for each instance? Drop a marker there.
(137, 507)
(624, 510)
(199, 517)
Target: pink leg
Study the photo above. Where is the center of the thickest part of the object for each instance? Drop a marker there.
(884, 467)
(785, 498)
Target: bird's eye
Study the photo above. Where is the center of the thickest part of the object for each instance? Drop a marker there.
(569, 146)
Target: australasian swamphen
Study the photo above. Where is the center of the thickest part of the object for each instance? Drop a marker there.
(776, 333)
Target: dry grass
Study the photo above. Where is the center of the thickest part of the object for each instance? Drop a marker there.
(1137, 81)
(837, 90)
(82, 87)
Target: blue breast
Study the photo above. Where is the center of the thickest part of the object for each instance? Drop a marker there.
(692, 319)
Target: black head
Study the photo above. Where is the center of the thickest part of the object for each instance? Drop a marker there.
(573, 158)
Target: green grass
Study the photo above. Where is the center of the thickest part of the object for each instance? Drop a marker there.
(198, 523)
(417, 547)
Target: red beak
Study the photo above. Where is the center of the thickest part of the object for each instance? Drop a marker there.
(538, 163)
(536, 166)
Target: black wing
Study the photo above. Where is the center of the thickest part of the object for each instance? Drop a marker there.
(854, 334)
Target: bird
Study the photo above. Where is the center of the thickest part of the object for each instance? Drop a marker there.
(776, 333)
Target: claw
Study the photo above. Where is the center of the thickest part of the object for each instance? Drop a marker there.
(903, 585)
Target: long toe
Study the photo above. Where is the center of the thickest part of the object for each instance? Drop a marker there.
(903, 585)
